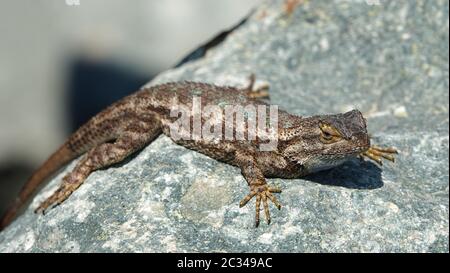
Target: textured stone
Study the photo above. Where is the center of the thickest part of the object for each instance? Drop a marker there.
(388, 60)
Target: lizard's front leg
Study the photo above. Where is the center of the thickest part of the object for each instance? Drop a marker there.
(135, 136)
(258, 185)
(376, 153)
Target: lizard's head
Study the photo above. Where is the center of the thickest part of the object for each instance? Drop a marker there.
(323, 142)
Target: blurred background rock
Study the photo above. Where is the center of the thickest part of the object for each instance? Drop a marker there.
(61, 64)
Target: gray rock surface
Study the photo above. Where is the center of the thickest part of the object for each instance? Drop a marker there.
(388, 60)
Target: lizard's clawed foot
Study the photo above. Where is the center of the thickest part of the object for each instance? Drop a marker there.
(377, 153)
(61, 194)
(262, 92)
(262, 192)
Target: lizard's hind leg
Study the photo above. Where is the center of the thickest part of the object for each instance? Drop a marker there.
(135, 136)
(262, 92)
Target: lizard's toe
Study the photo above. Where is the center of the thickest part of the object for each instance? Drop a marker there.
(43, 206)
(247, 198)
(274, 200)
(274, 190)
(266, 207)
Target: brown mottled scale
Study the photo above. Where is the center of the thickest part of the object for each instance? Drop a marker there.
(133, 122)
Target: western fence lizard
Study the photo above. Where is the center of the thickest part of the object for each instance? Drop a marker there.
(302, 144)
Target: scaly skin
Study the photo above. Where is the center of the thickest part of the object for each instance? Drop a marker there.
(305, 145)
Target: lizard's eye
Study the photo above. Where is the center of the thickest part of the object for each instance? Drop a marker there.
(329, 134)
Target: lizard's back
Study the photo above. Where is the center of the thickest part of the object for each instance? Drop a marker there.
(166, 97)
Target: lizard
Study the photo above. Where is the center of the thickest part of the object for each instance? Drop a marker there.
(305, 144)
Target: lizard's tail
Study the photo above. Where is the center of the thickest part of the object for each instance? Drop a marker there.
(61, 157)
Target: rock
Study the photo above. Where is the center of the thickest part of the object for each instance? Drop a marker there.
(388, 60)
